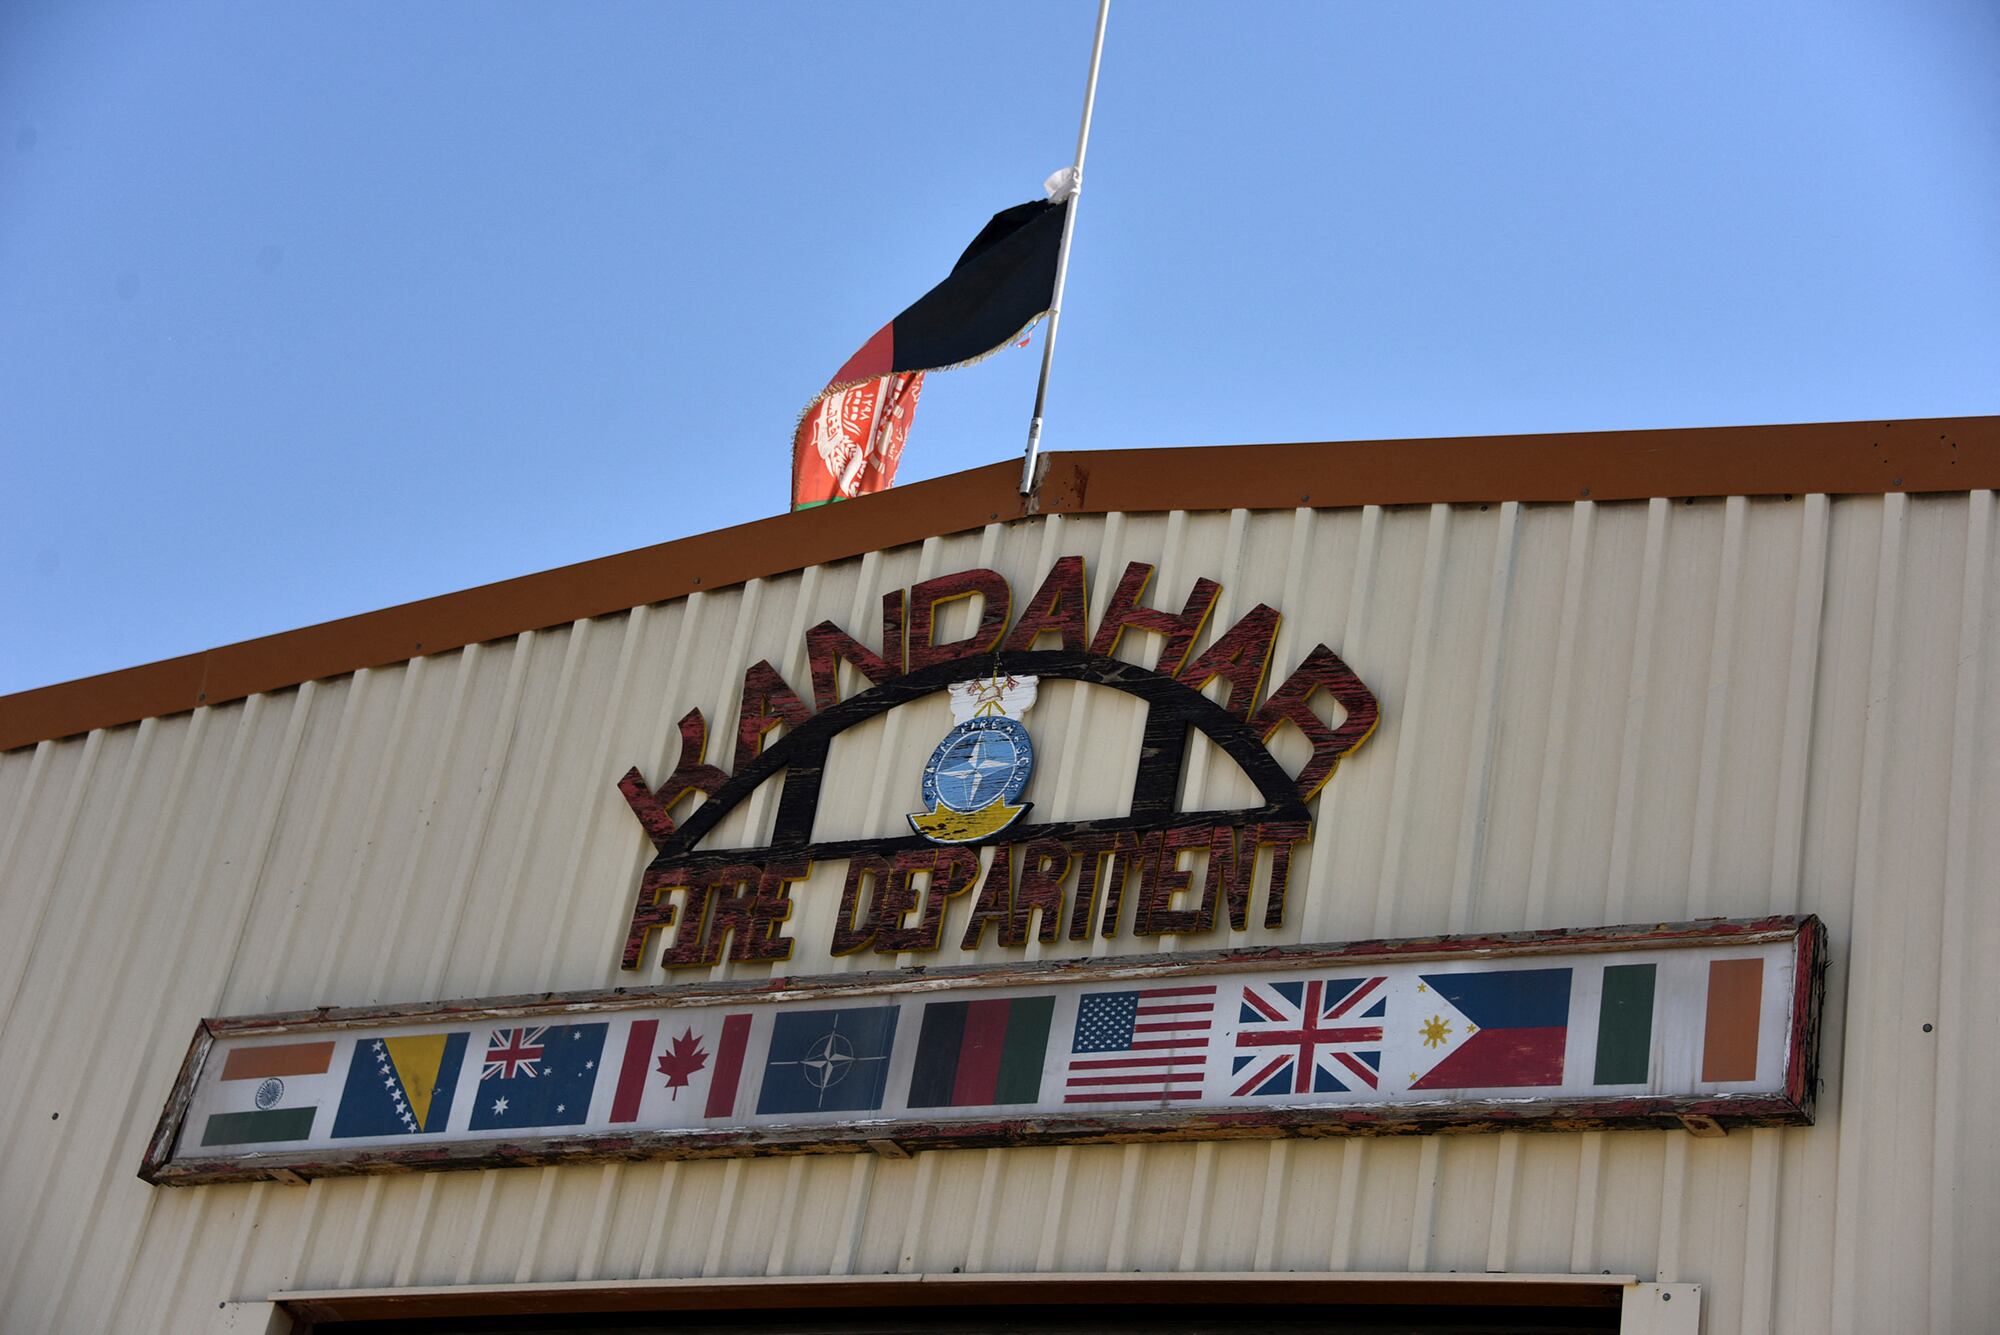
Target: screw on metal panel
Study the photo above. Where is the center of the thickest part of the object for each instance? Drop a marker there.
(1585, 492)
(1897, 483)
(200, 696)
(1666, 1297)
(1927, 1028)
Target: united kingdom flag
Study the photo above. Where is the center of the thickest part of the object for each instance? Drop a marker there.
(512, 1052)
(1309, 1036)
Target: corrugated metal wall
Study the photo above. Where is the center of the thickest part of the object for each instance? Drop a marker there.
(1593, 714)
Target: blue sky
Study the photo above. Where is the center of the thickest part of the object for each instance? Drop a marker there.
(312, 309)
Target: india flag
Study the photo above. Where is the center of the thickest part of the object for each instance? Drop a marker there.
(268, 1093)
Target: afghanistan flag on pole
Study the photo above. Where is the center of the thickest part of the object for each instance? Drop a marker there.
(851, 435)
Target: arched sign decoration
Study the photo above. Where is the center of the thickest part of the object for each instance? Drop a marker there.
(1053, 880)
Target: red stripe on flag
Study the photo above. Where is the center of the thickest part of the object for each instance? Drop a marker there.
(1272, 1038)
(1360, 1068)
(876, 358)
(1081, 1065)
(1109, 1097)
(728, 1067)
(1263, 1007)
(1153, 1078)
(1353, 998)
(632, 1075)
(979, 1054)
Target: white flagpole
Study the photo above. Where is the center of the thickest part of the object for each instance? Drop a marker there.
(1062, 254)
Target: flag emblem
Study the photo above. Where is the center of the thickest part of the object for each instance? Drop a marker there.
(977, 1054)
(1498, 1029)
(400, 1086)
(1140, 1046)
(972, 785)
(1309, 1036)
(538, 1076)
(826, 1061)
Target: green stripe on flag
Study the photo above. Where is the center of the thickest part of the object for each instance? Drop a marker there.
(1021, 1056)
(1625, 1025)
(258, 1128)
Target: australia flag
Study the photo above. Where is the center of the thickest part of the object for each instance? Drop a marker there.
(538, 1076)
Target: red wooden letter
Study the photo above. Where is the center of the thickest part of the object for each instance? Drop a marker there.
(1282, 836)
(691, 775)
(650, 914)
(924, 599)
(948, 872)
(1044, 868)
(767, 702)
(1240, 657)
(1162, 879)
(827, 644)
(1291, 703)
(854, 926)
(1059, 607)
(996, 900)
(1179, 631)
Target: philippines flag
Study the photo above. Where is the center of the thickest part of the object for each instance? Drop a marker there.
(1141, 1046)
(1309, 1036)
(1496, 1029)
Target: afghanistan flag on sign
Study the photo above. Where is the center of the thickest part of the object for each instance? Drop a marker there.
(977, 1054)
(851, 435)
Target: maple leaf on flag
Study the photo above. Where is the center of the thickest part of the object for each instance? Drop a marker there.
(683, 1057)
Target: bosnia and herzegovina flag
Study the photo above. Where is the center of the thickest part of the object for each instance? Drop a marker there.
(400, 1085)
(851, 435)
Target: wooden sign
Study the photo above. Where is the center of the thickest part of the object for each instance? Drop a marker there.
(1152, 871)
(1706, 1025)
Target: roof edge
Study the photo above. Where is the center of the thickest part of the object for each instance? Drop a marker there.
(1840, 458)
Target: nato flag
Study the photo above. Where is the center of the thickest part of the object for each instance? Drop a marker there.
(827, 1061)
(538, 1076)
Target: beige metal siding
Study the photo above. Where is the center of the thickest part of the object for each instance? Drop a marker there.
(1592, 714)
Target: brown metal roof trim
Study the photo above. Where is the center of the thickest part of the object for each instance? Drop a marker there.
(1916, 455)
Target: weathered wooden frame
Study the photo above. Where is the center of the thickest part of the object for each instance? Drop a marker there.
(1712, 1115)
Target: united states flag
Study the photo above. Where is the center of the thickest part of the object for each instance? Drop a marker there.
(1140, 1046)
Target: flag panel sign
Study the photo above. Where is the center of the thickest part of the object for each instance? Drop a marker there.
(1641, 1026)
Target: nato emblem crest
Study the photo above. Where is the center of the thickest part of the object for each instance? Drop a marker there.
(973, 782)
